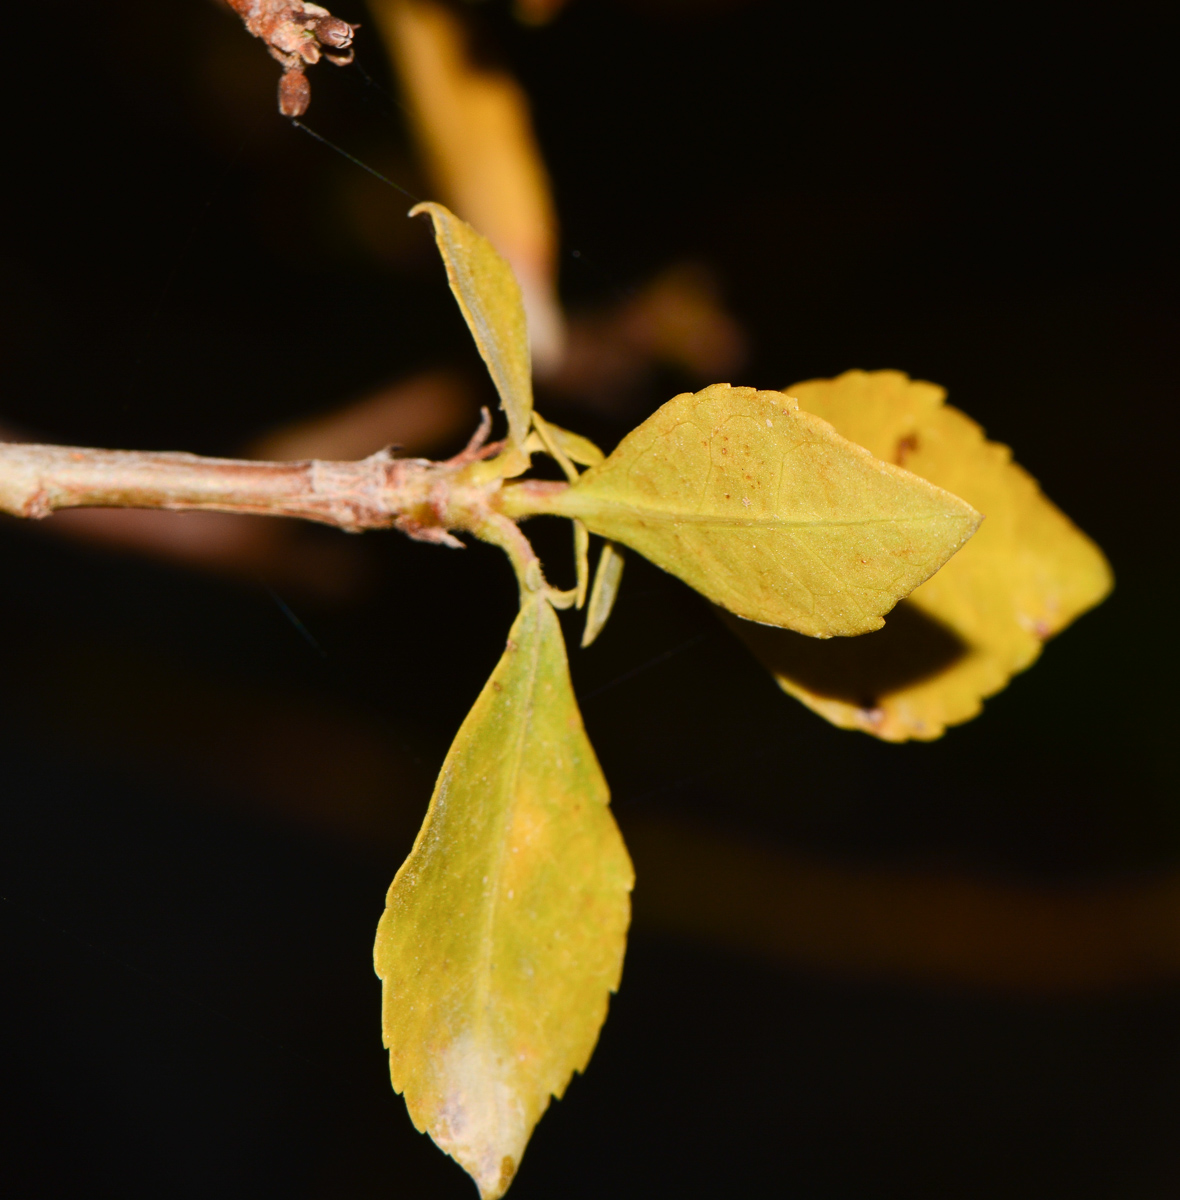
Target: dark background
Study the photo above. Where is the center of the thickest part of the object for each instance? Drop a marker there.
(980, 197)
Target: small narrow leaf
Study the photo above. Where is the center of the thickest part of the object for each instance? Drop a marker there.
(962, 635)
(607, 578)
(769, 512)
(549, 439)
(471, 120)
(576, 448)
(581, 561)
(490, 300)
(504, 931)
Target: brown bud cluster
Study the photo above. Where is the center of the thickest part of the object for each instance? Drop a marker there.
(297, 35)
(294, 92)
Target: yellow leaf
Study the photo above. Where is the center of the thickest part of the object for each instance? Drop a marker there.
(581, 561)
(553, 440)
(504, 931)
(472, 123)
(574, 446)
(961, 636)
(578, 448)
(606, 588)
(769, 512)
(489, 298)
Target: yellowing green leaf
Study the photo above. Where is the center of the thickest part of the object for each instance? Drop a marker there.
(961, 636)
(504, 931)
(769, 512)
(490, 300)
(472, 124)
(607, 578)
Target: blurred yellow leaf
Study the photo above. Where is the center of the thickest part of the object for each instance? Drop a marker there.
(537, 12)
(961, 636)
(472, 122)
(769, 512)
(489, 298)
(504, 931)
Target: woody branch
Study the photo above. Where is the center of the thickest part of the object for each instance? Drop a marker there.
(423, 499)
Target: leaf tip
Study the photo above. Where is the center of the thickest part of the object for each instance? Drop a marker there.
(489, 297)
(424, 206)
(507, 1173)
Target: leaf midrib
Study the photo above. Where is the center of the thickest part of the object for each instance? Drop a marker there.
(671, 517)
